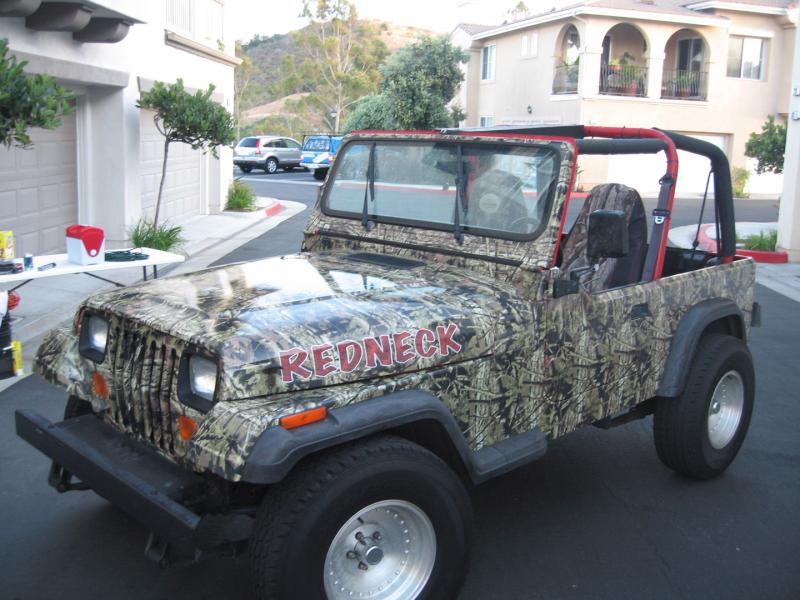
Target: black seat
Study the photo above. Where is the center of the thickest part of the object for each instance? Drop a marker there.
(613, 272)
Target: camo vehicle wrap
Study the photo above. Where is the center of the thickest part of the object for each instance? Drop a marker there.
(354, 318)
(325, 232)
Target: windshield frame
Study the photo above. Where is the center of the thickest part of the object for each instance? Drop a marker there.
(551, 146)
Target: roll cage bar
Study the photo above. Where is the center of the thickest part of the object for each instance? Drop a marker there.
(626, 140)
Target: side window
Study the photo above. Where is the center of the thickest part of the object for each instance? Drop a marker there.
(278, 144)
(293, 145)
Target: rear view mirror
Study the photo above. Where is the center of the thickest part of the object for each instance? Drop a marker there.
(608, 235)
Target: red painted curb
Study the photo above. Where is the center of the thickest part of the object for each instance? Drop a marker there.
(273, 208)
(764, 256)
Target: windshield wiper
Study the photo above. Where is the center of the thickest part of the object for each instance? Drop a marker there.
(369, 190)
(461, 195)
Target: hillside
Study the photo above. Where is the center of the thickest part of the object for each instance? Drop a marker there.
(262, 100)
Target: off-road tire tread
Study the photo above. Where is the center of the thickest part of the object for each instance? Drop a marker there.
(286, 502)
(676, 422)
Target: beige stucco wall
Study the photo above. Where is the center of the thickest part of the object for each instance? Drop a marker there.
(734, 107)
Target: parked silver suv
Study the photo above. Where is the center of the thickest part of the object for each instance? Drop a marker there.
(267, 152)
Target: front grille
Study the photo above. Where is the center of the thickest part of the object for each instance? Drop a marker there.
(144, 374)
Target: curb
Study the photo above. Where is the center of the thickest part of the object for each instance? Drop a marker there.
(764, 256)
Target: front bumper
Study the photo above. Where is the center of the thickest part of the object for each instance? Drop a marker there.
(136, 478)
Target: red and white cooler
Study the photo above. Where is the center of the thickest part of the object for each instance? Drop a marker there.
(86, 245)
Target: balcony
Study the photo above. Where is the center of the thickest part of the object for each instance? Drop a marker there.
(565, 79)
(684, 85)
(623, 80)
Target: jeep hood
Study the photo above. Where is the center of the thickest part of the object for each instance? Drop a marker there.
(311, 320)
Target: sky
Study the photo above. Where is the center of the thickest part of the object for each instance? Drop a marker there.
(267, 17)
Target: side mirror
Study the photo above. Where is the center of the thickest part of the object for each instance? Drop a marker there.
(607, 236)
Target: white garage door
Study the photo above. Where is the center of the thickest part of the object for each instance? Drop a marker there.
(38, 190)
(642, 172)
(182, 195)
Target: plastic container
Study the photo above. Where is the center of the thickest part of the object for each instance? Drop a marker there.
(86, 245)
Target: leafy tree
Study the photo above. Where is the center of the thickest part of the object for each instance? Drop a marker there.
(193, 119)
(372, 112)
(242, 77)
(342, 56)
(519, 11)
(27, 101)
(768, 147)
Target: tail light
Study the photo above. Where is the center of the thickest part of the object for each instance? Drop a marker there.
(258, 147)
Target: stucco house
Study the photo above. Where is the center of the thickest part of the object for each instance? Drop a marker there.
(714, 69)
(102, 166)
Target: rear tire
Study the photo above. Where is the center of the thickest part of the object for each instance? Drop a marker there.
(699, 433)
(305, 543)
(271, 166)
(319, 174)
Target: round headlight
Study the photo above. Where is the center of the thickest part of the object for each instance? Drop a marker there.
(97, 333)
(202, 377)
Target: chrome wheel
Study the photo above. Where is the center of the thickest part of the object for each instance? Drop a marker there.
(272, 166)
(725, 409)
(385, 551)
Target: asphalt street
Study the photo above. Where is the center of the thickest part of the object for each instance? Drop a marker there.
(598, 517)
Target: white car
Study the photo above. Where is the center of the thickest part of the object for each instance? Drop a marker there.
(267, 152)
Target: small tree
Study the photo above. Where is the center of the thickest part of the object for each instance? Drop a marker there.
(420, 79)
(243, 75)
(372, 112)
(193, 119)
(27, 101)
(768, 147)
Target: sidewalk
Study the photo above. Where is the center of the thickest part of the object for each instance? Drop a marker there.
(45, 303)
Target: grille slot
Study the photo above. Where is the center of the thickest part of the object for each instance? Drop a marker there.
(144, 371)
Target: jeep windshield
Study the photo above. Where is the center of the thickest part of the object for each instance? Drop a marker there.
(490, 189)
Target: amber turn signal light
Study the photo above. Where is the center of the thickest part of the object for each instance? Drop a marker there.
(304, 418)
(99, 385)
(186, 427)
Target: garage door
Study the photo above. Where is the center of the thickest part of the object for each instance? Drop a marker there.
(38, 189)
(642, 172)
(182, 189)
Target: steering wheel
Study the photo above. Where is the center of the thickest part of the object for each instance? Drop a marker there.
(513, 226)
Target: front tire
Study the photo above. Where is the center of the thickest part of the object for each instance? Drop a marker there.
(271, 166)
(699, 433)
(384, 518)
(319, 174)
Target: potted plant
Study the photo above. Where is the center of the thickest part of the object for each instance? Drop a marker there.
(628, 75)
(684, 83)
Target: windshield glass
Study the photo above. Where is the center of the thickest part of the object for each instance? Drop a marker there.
(316, 143)
(505, 191)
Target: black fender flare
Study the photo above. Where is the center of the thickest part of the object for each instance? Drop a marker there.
(687, 336)
(278, 450)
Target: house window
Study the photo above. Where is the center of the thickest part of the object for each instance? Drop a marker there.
(746, 57)
(530, 45)
(200, 20)
(486, 121)
(690, 55)
(487, 63)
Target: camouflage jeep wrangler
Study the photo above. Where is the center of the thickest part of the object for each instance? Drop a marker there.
(327, 411)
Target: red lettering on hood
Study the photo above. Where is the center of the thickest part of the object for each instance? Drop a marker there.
(323, 365)
(446, 341)
(423, 337)
(398, 348)
(292, 364)
(348, 362)
(382, 352)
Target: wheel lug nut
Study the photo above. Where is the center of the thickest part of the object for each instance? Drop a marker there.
(351, 555)
(362, 566)
(376, 536)
(360, 537)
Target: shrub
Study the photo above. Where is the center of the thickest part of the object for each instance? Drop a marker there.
(240, 197)
(739, 177)
(162, 236)
(763, 240)
(768, 147)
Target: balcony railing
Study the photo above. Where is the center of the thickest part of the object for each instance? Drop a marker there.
(623, 80)
(565, 79)
(684, 85)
